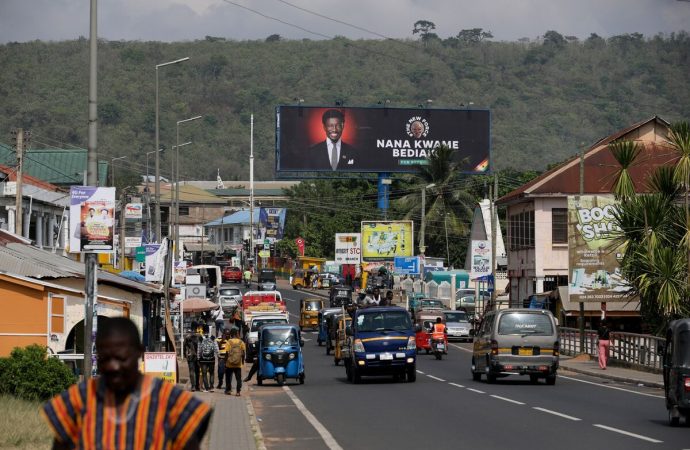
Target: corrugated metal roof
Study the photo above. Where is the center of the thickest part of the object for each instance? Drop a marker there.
(189, 195)
(238, 192)
(237, 218)
(57, 166)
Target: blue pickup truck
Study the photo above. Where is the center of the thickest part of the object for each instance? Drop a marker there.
(382, 342)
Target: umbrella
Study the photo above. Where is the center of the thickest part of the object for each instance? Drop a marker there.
(198, 304)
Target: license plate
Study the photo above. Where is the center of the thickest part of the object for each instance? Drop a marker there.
(386, 357)
(441, 346)
(525, 352)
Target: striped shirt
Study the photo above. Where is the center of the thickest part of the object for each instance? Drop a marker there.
(157, 415)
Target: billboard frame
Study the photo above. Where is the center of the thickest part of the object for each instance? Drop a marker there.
(325, 173)
(391, 258)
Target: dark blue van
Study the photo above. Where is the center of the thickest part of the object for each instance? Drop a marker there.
(382, 342)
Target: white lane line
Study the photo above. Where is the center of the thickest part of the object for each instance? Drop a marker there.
(461, 348)
(610, 387)
(306, 339)
(436, 378)
(476, 390)
(456, 385)
(328, 439)
(419, 371)
(556, 413)
(507, 399)
(627, 433)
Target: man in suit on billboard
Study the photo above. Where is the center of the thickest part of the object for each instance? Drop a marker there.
(332, 153)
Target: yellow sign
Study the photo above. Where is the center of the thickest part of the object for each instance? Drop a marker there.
(264, 253)
(161, 365)
(383, 241)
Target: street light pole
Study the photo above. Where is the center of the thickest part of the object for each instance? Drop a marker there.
(157, 214)
(175, 193)
(422, 247)
(177, 182)
(112, 166)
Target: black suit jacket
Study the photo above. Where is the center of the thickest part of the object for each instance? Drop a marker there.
(318, 157)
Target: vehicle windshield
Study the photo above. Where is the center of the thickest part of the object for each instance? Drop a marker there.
(267, 275)
(456, 317)
(384, 321)
(229, 292)
(275, 337)
(535, 324)
(432, 303)
(313, 305)
(259, 322)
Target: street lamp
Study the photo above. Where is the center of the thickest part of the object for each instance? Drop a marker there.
(177, 182)
(173, 199)
(158, 172)
(112, 165)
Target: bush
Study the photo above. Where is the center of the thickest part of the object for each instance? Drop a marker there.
(29, 374)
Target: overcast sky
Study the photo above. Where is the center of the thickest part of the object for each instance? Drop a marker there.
(176, 20)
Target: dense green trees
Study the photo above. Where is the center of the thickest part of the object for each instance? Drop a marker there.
(546, 96)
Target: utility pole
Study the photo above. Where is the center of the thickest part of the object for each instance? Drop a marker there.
(581, 318)
(494, 234)
(251, 190)
(91, 259)
(123, 209)
(19, 209)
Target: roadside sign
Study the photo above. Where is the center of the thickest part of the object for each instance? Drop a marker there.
(267, 246)
(161, 365)
(140, 255)
(264, 254)
(406, 265)
(266, 242)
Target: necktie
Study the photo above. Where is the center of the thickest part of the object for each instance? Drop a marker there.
(334, 156)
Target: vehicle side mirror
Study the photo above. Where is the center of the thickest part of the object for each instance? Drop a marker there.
(417, 328)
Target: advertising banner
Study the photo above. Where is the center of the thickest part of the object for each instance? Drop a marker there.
(134, 211)
(271, 224)
(480, 259)
(345, 139)
(382, 241)
(300, 245)
(406, 265)
(161, 365)
(348, 248)
(593, 261)
(132, 241)
(91, 215)
(155, 261)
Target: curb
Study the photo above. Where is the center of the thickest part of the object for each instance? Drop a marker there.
(612, 377)
(256, 429)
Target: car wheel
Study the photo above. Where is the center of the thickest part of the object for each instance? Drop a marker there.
(533, 379)
(439, 355)
(319, 342)
(348, 371)
(280, 379)
(476, 376)
(356, 377)
(336, 361)
(674, 421)
(551, 379)
(490, 378)
(411, 374)
(328, 348)
(259, 381)
(301, 378)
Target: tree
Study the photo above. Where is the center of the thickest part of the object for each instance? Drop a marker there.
(424, 27)
(273, 38)
(474, 35)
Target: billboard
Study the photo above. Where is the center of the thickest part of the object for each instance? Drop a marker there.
(385, 240)
(593, 257)
(271, 224)
(348, 248)
(404, 265)
(91, 215)
(480, 259)
(344, 139)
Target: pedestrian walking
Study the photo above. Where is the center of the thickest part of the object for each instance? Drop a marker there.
(207, 354)
(191, 349)
(107, 412)
(218, 320)
(234, 357)
(604, 344)
(221, 341)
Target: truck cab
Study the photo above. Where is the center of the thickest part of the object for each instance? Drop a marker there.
(382, 342)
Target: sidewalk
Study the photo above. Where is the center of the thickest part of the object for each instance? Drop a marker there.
(233, 424)
(586, 366)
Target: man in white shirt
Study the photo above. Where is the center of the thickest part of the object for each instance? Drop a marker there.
(219, 320)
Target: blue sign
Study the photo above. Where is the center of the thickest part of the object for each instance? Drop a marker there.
(406, 265)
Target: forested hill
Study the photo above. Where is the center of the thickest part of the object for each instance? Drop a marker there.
(547, 97)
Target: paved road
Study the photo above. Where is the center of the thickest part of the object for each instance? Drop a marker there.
(446, 409)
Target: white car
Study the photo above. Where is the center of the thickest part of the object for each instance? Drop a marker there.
(457, 325)
(229, 298)
(256, 323)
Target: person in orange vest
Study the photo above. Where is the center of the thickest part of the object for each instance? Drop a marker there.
(438, 331)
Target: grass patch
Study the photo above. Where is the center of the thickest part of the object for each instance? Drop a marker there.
(22, 426)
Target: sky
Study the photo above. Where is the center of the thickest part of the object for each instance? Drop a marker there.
(186, 20)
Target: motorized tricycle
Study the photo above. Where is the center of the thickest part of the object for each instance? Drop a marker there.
(332, 329)
(424, 323)
(323, 324)
(309, 312)
(676, 371)
(280, 354)
(341, 350)
(340, 296)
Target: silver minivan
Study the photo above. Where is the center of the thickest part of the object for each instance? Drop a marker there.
(516, 342)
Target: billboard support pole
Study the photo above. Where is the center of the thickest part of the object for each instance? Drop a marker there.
(383, 185)
(581, 317)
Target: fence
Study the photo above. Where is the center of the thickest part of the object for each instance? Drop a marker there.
(638, 351)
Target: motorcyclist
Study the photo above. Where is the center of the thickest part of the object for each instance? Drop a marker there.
(438, 331)
(247, 276)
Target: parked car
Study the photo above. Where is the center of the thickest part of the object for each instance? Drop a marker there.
(229, 297)
(232, 274)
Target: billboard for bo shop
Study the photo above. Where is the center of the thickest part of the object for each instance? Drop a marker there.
(345, 139)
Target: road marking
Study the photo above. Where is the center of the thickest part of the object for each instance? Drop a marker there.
(476, 390)
(627, 433)
(611, 387)
(419, 371)
(461, 348)
(436, 378)
(328, 439)
(456, 385)
(507, 399)
(556, 413)
(306, 339)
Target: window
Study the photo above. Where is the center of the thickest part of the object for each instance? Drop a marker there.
(184, 210)
(522, 230)
(559, 226)
(57, 314)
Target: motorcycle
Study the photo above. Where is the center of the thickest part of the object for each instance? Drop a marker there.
(438, 346)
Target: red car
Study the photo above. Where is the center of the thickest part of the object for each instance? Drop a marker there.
(232, 274)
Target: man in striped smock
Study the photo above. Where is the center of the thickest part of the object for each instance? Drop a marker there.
(123, 408)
